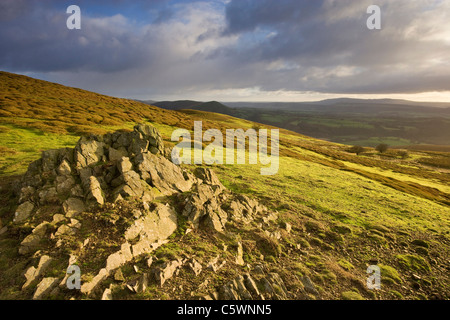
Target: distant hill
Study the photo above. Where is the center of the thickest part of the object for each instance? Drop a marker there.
(348, 105)
(177, 105)
(211, 106)
(341, 101)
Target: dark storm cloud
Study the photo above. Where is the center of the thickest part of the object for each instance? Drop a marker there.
(247, 15)
(161, 47)
(335, 52)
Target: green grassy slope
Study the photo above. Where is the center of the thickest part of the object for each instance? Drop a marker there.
(346, 211)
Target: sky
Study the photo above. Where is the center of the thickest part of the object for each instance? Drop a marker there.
(233, 50)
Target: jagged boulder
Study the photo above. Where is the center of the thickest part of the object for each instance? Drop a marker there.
(167, 271)
(31, 243)
(33, 273)
(162, 174)
(245, 287)
(45, 287)
(23, 211)
(211, 205)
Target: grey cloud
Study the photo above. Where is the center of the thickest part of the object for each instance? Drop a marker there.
(311, 45)
(331, 34)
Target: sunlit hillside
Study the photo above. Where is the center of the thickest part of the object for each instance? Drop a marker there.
(339, 212)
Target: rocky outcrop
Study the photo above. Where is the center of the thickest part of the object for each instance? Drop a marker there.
(101, 169)
(117, 167)
(246, 287)
(45, 288)
(34, 273)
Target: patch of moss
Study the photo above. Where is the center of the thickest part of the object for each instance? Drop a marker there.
(316, 242)
(389, 275)
(304, 244)
(341, 229)
(396, 294)
(351, 295)
(377, 238)
(413, 262)
(268, 246)
(314, 226)
(420, 243)
(329, 277)
(422, 251)
(379, 228)
(345, 264)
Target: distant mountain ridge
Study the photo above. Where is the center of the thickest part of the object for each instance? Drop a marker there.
(211, 106)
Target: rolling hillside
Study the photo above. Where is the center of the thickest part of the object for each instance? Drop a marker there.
(338, 212)
(348, 121)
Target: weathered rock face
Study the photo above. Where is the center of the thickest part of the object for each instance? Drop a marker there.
(101, 169)
(212, 206)
(117, 166)
(245, 287)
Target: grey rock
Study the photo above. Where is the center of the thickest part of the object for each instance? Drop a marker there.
(138, 144)
(194, 266)
(50, 160)
(57, 218)
(228, 292)
(64, 184)
(214, 264)
(64, 168)
(166, 271)
(208, 177)
(309, 285)
(241, 289)
(240, 254)
(48, 196)
(45, 287)
(124, 165)
(33, 273)
(152, 135)
(117, 154)
(77, 192)
(132, 186)
(73, 206)
(244, 209)
(119, 258)
(88, 151)
(151, 228)
(107, 294)
(251, 285)
(139, 285)
(95, 193)
(118, 275)
(202, 206)
(23, 212)
(88, 287)
(26, 193)
(65, 230)
(74, 223)
(31, 242)
(162, 174)
(278, 285)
